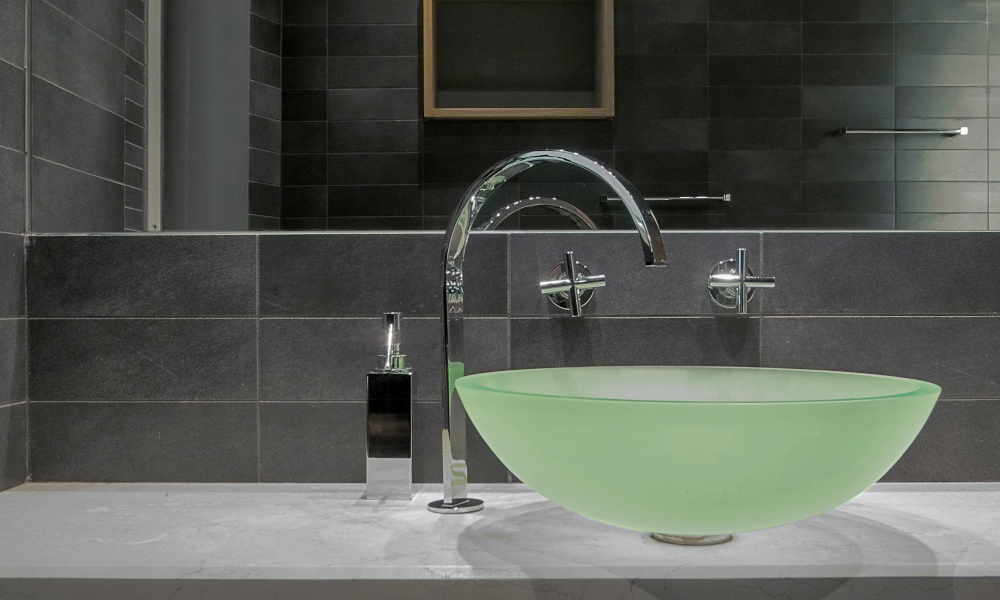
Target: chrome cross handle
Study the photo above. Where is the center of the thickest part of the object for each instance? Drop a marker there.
(731, 283)
(570, 282)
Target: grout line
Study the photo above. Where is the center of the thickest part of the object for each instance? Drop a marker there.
(73, 19)
(35, 157)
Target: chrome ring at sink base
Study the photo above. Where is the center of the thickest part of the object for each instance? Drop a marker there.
(459, 506)
(692, 540)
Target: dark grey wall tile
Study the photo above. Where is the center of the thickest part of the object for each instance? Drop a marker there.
(75, 58)
(879, 273)
(825, 102)
(941, 102)
(265, 167)
(381, 168)
(941, 38)
(372, 104)
(609, 341)
(298, 201)
(12, 275)
(303, 40)
(953, 352)
(373, 72)
(866, 70)
(941, 196)
(374, 200)
(374, 136)
(12, 33)
(64, 200)
(755, 166)
(117, 441)
(303, 105)
(675, 102)
(11, 191)
(304, 137)
(941, 165)
(754, 10)
(13, 364)
(265, 134)
(136, 276)
(756, 70)
(304, 12)
(374, 11)
(12, 107)
(847, 38)
(312, 442)
(14, 449)
(71, 131)
(326, 284)
(373, 40)
(653, 71)
(633, 288)
(848, 197)
(938, 11)
(666, 134)
(942, 222)
(875, 11)
(651, 38)
(142, 359)
(941, 70)
(269, 9)
(956, 444)
(755, 102)
(104, 17)
(754, 38)
(266, 68)
(848, 165)
(265, 100)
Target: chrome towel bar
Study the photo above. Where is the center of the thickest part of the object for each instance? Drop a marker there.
(959, 131)
(722, 198)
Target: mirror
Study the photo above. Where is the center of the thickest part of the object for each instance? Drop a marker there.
(268, 115)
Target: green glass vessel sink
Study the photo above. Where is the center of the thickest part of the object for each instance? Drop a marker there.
(697, 451)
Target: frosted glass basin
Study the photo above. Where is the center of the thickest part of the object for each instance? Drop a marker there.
(697, 451)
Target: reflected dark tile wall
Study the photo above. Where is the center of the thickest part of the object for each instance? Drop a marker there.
(13, 325)
(265, 120)
(712, 97)
(134, 377)
(88, 116)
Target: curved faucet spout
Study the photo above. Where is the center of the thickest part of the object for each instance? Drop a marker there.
(455, 469)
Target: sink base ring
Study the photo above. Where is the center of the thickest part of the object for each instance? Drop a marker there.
(459, 507)
(692, 540)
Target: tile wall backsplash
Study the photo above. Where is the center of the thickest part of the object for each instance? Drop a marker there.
(712, 97)
(13, 325)
(243, 357)
(88, 102)
(265, 117)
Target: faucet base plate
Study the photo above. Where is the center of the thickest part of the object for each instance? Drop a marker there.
(692, 540)
(459, 506)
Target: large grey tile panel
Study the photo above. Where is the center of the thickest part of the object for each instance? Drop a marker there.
(941, 196)
(142, 359)
(369, 274)
(65, 200)
(921, 11)
(941, 70)
(71, 131)
(12, 363)
(374, 11)
(312, 442)
(73, 57)
(12, 107)
(942, 221)
(134, 442)
(12, 31)
(880, 273)
(632, 288)
(941, 102)
(327, 359)
(104, 17)
(13, 445)
(941, 165)
(11, 191)
(597, 341)
(11, 275)
(132, 276)
(957, 353)
(958, 443)
(829, 102)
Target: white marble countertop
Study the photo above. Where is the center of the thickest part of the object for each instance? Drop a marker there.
(327, 532)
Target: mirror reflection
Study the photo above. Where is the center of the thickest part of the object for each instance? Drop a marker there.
(271, 115)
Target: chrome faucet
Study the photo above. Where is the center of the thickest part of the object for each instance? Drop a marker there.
(453, 442)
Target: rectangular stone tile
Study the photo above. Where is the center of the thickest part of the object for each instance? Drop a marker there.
(11, 275)
(130, 276)
(142, 359)
(12, 362)
(312, 442)
(138, 442)
(957, 353)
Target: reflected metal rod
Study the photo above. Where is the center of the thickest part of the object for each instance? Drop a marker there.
(959, 131)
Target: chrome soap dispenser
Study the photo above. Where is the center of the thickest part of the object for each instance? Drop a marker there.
(390, 421)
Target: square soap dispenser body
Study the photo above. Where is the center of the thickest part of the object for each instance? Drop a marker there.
(390, 421)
